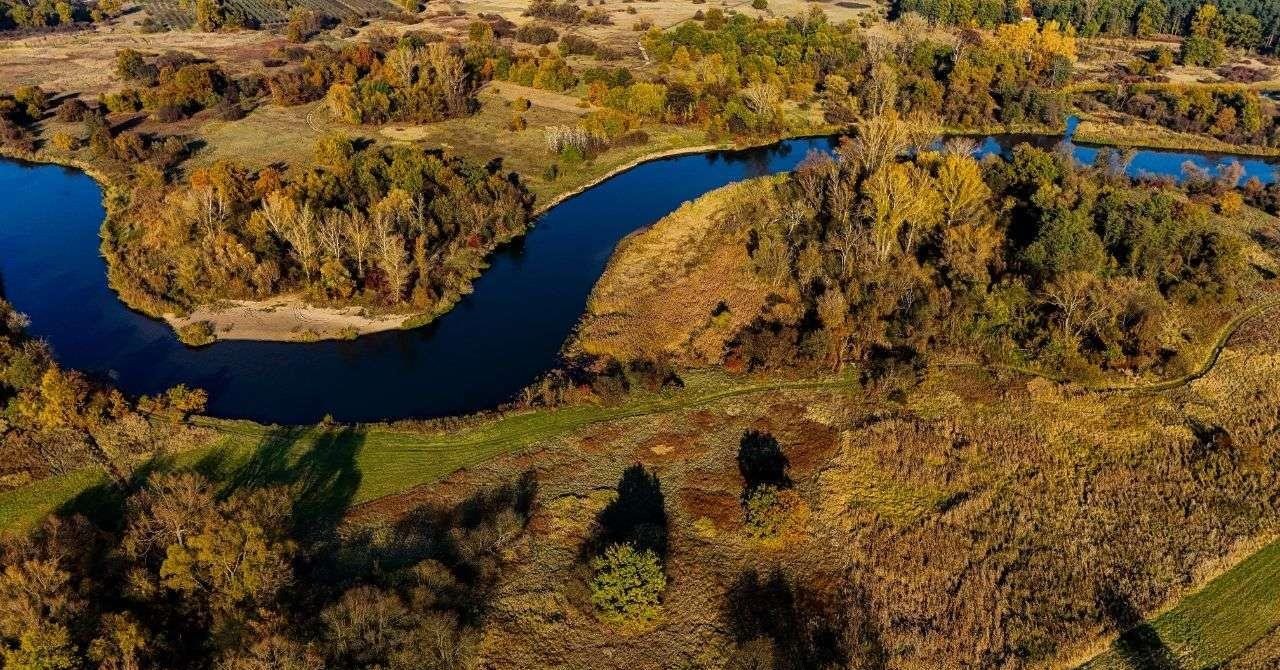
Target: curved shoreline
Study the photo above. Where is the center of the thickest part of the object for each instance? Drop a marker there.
(347, 320)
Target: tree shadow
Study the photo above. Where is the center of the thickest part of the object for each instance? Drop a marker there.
(464, 539)
(323, 476)
(1139, 644)
(761, 461)
(637, 516)
(780, 624)
(103, 504)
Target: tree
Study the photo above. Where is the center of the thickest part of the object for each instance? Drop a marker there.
(122, 643)
(628, 584)
(42, 647)
(64, 401)
(764, 511)
(210, 15)
(236, 560)
(963, 192)
(1151, 18)
(902, 205)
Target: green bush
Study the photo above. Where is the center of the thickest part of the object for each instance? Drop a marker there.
(536, 33)
(764, 511)
(628, 584)
(196, 334)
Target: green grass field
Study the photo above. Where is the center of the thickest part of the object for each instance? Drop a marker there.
(359, 464)
(1209, 627)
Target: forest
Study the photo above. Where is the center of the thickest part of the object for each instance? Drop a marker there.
(55, 421)
(393, 228)
(1031, 259)
(884, 264)
(191, 570)
(50, 13)
(1246, 24)
(1232, 114)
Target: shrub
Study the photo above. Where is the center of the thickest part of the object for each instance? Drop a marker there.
(536, 33)
(760, 4)
(764, 511)
(1203, 51)
(577, 44)
(72, 111)
(64, 142)
(628, 584)
(564, 12)
(196, 333)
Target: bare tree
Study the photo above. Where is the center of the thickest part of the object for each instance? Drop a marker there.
(329, 233)
(394, 263)
(358, 232)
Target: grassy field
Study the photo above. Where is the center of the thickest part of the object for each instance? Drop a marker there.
(376, 461)
(1150, 136)
(1209, 627)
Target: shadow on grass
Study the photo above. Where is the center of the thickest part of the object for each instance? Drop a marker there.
(103, 504)
(323, 475)
(319, 466)
(778, 623)
(637, 516)
(761, 461)
(1140, 645)
(465, 539)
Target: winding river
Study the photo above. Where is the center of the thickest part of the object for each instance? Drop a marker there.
(493, 343)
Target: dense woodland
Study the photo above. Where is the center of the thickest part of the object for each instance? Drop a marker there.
(1244, 24)
(1030, 258)
(1232, 114)
(394, 227)
(50, 13)
(252, 575)
(876, 261)
(53, 421)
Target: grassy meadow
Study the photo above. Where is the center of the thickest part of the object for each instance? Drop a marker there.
(373, 461)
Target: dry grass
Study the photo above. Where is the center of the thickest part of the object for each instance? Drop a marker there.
(1121, 131)
(680, 287)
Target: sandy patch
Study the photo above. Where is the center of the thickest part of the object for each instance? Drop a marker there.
(287, 319)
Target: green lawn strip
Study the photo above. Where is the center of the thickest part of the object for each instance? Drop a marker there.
(24, 507)
(1216, 623)
(382, 460)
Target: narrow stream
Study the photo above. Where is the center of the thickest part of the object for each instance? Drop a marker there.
(497, 340)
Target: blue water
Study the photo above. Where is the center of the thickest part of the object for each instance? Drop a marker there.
(497, 340)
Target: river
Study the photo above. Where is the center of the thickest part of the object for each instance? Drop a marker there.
(493, 343)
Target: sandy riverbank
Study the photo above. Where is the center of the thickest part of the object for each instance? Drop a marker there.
(287, 319)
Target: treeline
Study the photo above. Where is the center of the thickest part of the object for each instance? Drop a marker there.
(50, 13)
(378, 81)
(1244, 24)
(1027, 259)
(53, 421)
(733, 76)
(175, 85)
(393, 227)
(1232, 114)
(184, 573)
(18, 110)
